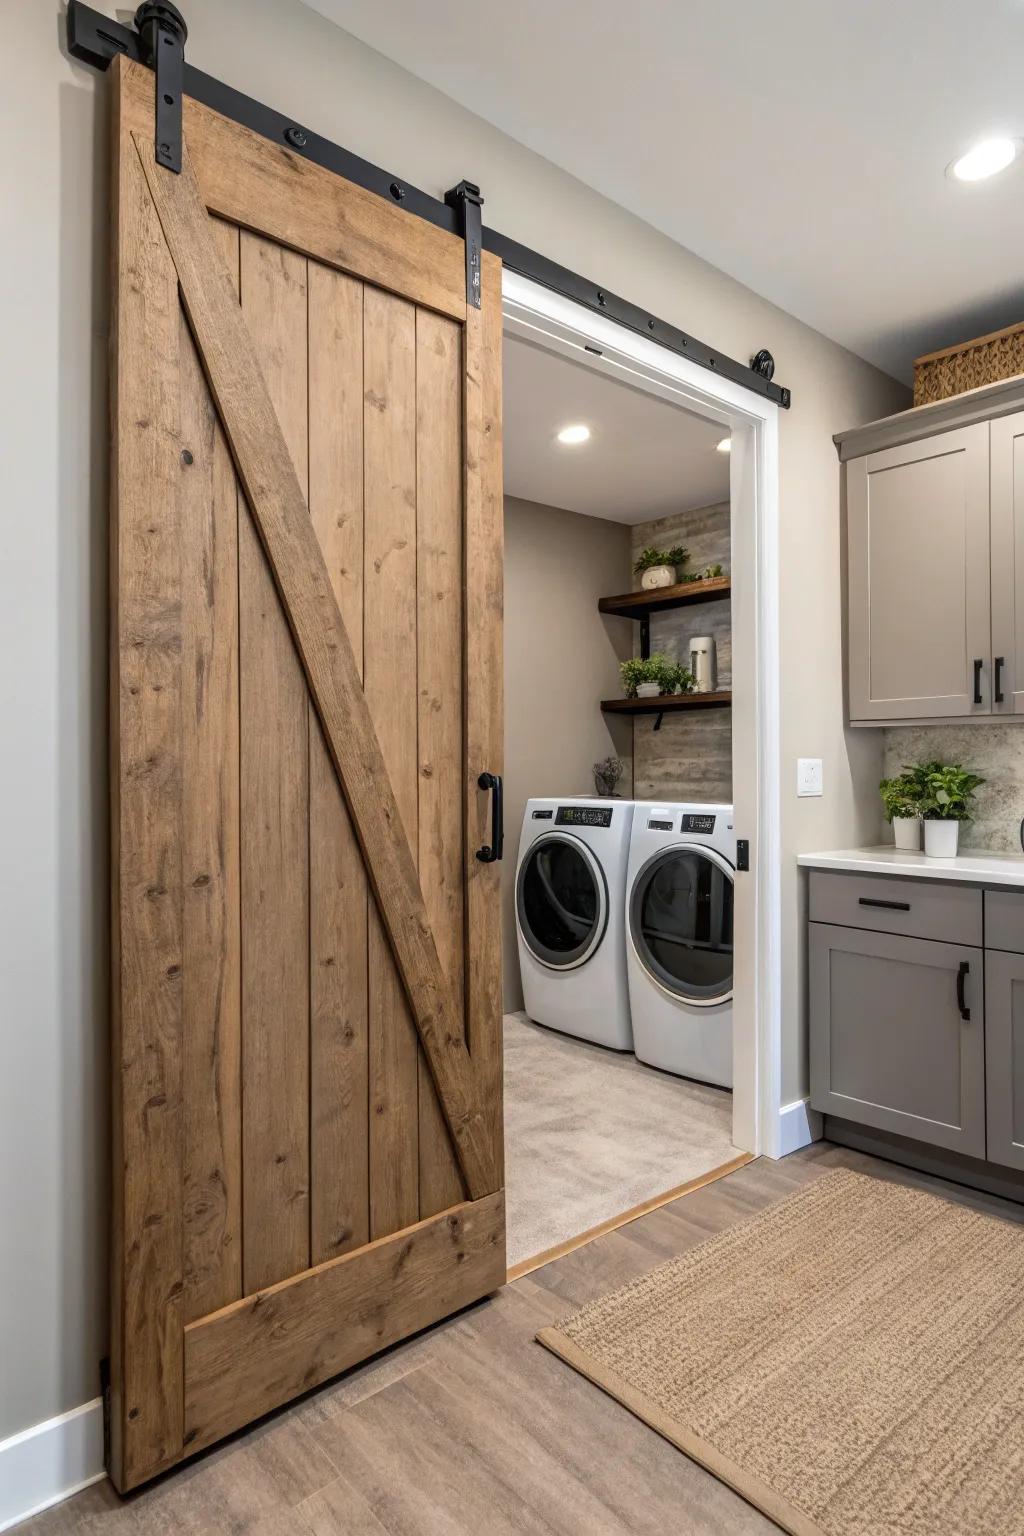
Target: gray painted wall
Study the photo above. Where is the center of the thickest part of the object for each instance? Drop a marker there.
(690, 757)
(53, 607)
(561, 659)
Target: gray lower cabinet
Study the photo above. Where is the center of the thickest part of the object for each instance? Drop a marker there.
(898, 1034)
(1004, 1057)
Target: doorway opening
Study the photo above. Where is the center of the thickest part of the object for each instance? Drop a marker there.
(639, 915)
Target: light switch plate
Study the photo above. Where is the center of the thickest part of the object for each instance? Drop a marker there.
(808, 776)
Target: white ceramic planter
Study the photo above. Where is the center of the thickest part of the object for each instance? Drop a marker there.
(658, 576)
(648, 690)
(907, 832)
(941, 839)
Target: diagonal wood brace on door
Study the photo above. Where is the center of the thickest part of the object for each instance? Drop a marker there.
(467, 202)
(162, 28)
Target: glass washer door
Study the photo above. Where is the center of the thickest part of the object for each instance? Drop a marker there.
(680, 923)
(561, 901)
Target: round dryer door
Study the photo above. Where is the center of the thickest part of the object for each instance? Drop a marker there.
(561, 901)
(680, 922)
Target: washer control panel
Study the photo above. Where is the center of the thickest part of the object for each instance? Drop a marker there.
(698, 823)
(583, 816)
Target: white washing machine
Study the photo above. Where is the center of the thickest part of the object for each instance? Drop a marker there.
(679, 906)
(570, 893)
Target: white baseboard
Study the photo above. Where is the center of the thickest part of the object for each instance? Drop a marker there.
(798, 1126)
(49, 1462)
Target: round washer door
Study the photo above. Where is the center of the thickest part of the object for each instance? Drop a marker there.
(680, 923)
(561, 901)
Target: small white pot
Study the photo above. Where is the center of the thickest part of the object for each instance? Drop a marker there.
(648, 690)
(907, 832)
(658, 576)
(941, 839)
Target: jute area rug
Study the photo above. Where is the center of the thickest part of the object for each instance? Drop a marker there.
(851, 1360)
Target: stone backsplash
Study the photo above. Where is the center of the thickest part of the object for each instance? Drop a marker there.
(690, 758)
(996, 751)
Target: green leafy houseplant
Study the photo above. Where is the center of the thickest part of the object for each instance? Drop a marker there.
(649, 557)
(948, 791)
(901, 797)
(709, 573)
(656, 668)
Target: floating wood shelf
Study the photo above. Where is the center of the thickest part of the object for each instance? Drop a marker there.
(639, 605)
(666, 703)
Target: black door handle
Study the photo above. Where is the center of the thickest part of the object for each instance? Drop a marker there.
(962, 973)
(977, 679)
(491, 852)
(997, 679)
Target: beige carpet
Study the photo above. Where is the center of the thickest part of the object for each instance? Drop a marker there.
(590, 1133)
(851, 1360)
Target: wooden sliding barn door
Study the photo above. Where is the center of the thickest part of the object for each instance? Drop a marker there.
(306, 684)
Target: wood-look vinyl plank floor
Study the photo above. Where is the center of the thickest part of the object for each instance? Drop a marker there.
(472, 1427)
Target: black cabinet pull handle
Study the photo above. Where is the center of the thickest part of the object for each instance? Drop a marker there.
(997, 679)
(890, 906)
(962, 973)
(491, 852)
(977, 679)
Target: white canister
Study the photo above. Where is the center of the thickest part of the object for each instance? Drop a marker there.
(907, 833)
(658, 576)
(702, 662)
(941, 839)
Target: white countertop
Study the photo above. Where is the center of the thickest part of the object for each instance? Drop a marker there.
(968, 868)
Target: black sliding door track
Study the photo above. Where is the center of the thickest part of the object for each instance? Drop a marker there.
(95, 39)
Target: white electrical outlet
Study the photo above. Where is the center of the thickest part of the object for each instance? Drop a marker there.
(808, 776)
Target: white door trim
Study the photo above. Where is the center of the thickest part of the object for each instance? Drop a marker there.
(549, 320)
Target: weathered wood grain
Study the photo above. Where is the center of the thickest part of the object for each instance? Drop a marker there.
(275, 497)
(439, 599)
(210, 872)
(339, 1132)
(251, 1356)
(274, 759)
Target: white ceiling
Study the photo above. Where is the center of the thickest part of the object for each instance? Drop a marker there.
(799, 146)
(644, 459)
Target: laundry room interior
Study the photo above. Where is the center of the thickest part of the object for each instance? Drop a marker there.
(617, 901)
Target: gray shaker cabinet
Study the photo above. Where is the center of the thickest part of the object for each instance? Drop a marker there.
(919, 618)
(1006, 450)
(1004, 1063)
(897, 1034)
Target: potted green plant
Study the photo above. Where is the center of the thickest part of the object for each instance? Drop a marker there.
(948, 793)
(645, 677)
(660, 567)
(678, 679)
(901, 801)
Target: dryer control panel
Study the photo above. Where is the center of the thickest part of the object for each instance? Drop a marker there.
(583, 816)
(692, 822)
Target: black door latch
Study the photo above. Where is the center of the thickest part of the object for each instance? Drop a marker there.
(742, 853)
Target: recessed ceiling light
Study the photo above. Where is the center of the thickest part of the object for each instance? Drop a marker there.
(724, 445)
(986, 159)
(575, 434)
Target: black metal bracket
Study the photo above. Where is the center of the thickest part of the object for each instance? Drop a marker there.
(645, 637)
(94, 39)
(162, 32)
(661, 716)
(467, 202)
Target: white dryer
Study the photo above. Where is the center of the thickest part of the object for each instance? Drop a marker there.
(679, 952)
(570, 891)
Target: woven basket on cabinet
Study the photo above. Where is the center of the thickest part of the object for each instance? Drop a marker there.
(985, 360)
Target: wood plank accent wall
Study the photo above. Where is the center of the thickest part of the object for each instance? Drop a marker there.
(690, 757)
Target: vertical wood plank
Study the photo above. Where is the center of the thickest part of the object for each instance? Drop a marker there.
(439, 602)
(274, 820)
(210, 861)
(389, 681)
(147, 1404)
(339, 1132)
(485, 705)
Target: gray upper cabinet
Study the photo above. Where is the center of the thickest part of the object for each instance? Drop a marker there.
(1007, 512)
(935, 560)
(919, 574)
